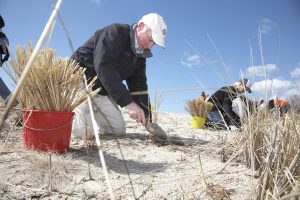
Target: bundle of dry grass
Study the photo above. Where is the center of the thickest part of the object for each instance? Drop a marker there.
(53, 84)
(198, 107)
(273, 149)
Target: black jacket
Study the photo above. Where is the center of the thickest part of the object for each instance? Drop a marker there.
(110, 54)
(222, 100)
(4, 91)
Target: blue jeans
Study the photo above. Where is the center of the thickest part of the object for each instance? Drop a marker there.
(215, 120)
(283, 110)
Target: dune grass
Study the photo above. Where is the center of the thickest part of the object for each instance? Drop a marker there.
(270, 144)
(273, 149)
(53, 84)
(198, 107)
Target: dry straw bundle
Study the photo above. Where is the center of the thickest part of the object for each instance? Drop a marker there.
(272, 149)
(198, 107)
(53, 84)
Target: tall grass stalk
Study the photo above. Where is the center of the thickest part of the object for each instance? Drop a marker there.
(158, 97)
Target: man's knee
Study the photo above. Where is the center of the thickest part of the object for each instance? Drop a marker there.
(120, 130)
(116, 129)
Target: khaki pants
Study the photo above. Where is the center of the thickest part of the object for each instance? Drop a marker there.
(108, 118)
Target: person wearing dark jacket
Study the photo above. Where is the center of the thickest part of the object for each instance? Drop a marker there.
(222, 114)
(4, 55)
(117, 54)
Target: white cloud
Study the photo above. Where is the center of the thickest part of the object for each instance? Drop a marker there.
(295, 73)
(275, 88)
(272, 86)
(290, 92)
(260, 70)
(191, 60)
(96, 1)
(266, 25)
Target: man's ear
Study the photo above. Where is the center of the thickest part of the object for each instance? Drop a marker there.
(140, 26)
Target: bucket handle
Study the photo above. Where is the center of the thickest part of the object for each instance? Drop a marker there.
(50, 129)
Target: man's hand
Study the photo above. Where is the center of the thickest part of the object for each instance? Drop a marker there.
(135, 112)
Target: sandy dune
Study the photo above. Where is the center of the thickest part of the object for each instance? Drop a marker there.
(137, 167)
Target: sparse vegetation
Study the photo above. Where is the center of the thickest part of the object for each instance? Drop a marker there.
(273, 151)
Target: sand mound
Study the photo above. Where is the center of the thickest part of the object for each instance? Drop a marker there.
(137, 167)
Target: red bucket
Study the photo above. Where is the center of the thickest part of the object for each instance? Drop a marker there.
(47, 130)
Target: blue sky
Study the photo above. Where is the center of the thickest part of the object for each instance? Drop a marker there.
(209, 43)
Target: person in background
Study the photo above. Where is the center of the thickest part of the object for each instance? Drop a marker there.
(281, 105)
(4, 55)
(203, 96)
(260, 105)
(228, 109)
(118, 53)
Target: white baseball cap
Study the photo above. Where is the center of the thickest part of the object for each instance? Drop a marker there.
(158, 27)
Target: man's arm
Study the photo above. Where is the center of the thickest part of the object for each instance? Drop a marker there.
(137, 85)
(107, 51)
(217, 98)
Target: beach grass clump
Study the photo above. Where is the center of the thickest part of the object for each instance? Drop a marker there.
(273, 150)
(198, 107)
(53, 84)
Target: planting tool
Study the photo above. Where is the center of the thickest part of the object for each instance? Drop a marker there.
(157, 134)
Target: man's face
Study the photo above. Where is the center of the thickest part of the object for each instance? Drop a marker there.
(241, 88)
(144, 37)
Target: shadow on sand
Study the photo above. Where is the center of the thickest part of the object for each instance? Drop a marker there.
(118, 165)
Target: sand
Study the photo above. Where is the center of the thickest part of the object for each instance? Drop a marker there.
(137, 167)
